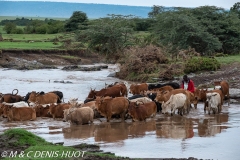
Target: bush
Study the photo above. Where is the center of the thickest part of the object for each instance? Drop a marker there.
(220, 55)
(201, 64)
(139, 63)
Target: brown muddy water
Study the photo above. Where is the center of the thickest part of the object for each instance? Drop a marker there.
(196, 135)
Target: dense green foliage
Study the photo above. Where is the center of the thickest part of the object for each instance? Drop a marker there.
(208, 29)
(201, 64)
(78, 20)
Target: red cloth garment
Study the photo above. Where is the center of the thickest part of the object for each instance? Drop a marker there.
(191, 87)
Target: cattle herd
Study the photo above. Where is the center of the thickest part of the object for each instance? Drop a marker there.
(113, 101)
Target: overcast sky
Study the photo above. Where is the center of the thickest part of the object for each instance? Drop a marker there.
(227, 4)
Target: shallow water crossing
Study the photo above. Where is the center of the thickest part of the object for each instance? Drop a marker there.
(196, 135)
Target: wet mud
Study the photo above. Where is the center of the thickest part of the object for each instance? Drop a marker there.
(197, 134)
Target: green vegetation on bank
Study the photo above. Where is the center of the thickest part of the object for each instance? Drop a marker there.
(180, 35)
(30, 146)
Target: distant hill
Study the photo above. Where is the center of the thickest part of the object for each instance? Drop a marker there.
(65, 10)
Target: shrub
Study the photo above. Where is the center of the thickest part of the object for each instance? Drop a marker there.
(201, 64)
(139, 62)
(220, 55)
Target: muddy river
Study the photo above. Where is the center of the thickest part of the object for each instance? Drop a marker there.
(196, 135)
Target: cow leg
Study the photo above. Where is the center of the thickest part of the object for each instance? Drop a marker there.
(108, 118)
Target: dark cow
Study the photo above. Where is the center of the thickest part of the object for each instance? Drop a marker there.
(10, 97)
(152, 96)
(135, 96)
(158, 85)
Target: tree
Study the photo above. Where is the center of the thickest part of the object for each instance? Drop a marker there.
(9, 27)
(155, 11)
(108, 35)
(77, 18)
(180, 30)
(236, 8)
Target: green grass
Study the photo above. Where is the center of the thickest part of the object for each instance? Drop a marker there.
(41, 149)
(229, 59)
(39, 37)
(24, 137)
(26, 45)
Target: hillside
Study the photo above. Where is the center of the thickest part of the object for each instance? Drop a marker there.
(65, 10)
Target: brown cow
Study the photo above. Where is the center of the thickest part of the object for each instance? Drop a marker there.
(10, 97)
(142, 111)
(200, 95)
(82, 115)
(42, 110)
(224, 87)
(46, 98)
(164, 88)
(108, 106)
(138, 88)
(124, 87)
(114, 91)
(21, 114)
(56, 110)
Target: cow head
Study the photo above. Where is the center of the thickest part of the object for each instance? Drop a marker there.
(92, 94)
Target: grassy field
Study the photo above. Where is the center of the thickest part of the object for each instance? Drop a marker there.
(32, 37)
(229, 59)
(39, 18)
(32, 45)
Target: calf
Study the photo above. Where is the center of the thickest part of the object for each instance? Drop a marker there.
(142, 111)
(214, 102)
(177, 101)
(108, 106)
(82, 115)
(56, 110)
(21, 114)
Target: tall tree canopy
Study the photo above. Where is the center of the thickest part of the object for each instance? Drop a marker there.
(78, 18)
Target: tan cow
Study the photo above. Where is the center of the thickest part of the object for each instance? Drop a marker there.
(56, 110)
(108, 106)
(46, 98)
(82, 115)
(142, 111)
(138, 88)
(21, 114)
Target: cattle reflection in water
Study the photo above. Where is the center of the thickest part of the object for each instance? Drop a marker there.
(213, 125)
(176, 127)
(79, 131)
(111, 132)
(139, 129)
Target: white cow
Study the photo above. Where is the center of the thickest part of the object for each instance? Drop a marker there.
(176, 101)
(214, 102)
(141, 100)
(17, 104)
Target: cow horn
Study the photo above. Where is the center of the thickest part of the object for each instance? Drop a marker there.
(16, 92)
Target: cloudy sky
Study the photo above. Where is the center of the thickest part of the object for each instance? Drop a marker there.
(227, 4)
